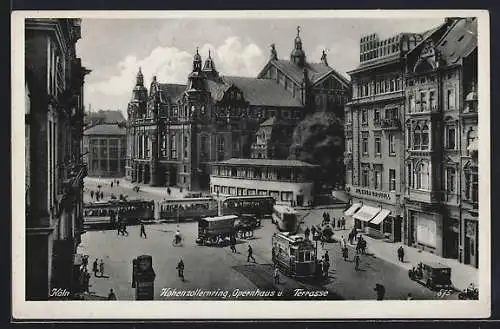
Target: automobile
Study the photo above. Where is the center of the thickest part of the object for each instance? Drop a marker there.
(431, 274)
(249, 221)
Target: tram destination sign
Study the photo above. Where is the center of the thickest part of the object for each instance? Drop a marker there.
(364, 193)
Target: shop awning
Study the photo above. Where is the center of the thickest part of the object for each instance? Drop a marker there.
(472, 146)
(352, 209)
(366, 213)
(380, 217)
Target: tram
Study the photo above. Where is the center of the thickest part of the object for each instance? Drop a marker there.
(260, 206)
(216, 231)
(285, 218)
(294, 255)
(181, 209)
(103, 214)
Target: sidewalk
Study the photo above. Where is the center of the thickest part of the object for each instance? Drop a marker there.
(461, 275)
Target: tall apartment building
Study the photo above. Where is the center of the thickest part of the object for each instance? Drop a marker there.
(54, 167)
(374, 137)
(430, 157)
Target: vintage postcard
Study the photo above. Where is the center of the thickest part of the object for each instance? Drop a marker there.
(251, 165)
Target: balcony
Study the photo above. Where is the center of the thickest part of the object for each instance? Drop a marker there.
(390, 124)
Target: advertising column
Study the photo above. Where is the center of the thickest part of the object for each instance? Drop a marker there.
(143, 277)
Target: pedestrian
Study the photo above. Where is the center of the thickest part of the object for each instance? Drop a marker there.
(97, 196)
(86, 280)
(117, 183)
(85, 261)
(180, 269)
(124, 229)
(95, 268)
(342, 243)
(250, 254)
(276, 275)
(143, 231)
(101, 268)
(327, 257)
(233, 243)
(333, 222)
(111, 295)
(410, 297)
(356, 261)
(102, 195)
(401, 254)
(345, 253)
(169, 191)
(326, 267)
(380, 290)
(307, 232)
(111, 184)
(92, 195)
(343, 223)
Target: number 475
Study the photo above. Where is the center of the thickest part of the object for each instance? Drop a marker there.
(444, 292)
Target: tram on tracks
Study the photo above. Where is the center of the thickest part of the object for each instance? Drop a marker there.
(260, 206)
(294, 255)
(181, 209)
(103, 214)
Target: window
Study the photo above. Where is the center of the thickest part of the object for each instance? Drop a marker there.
(286, 196)
(392, 180)
(376, 116)
(348, 143)
(411, 101)
(471, 186)
(432, 100)
(425, 137)
(421, 176)
(450, 179)
(378, 146)
(364, 176)
(348, 119)
(364, 144)
(471, 137)
(416, 138)
(364, 117)
(220, 148)
(423, 101)
(204, 146)
(450, 138)
(378, 178)
(392, 144)
(450, 99)
(409, 174)
(173, 147)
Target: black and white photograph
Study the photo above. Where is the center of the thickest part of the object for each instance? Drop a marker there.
(274, 158)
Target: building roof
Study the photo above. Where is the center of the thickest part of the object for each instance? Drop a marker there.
(106, 129)
(263, 92)
(315, 71)
(108, 116)
(171, 90)
(460, 41)
(266, 162)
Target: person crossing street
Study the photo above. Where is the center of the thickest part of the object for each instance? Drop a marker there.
(180, 269)
(143, 231)
(250, 254)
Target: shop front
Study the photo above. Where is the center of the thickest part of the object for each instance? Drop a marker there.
(425, 231)
(376, 213)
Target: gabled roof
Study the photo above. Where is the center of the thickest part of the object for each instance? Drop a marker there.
(315, 71)
(257, 92)
(170, 91)
(106, 129)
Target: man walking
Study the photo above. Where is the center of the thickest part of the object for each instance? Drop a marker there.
(345, 253)
(111, 295)
(92, 195)
(327, 257)
(180, 269)
(94, 267)
(401, 254)
(232, 243)
(356, 261)
(250, 254)
(143, 231)
(276, 275)
(380, 290)
(101, 268)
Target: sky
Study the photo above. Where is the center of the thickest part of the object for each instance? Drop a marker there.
(114, 49)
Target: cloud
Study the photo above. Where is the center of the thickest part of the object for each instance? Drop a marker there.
(172, 65)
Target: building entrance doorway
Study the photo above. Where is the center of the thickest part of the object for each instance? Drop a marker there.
(396, 232)
(452, 245)
(300, 200)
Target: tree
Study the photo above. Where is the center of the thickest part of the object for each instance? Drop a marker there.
(319, 139)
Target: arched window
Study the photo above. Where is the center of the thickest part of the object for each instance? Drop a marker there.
(416, 138)
(425, 137)
(422, 176)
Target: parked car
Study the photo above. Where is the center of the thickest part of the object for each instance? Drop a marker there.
(431, 274)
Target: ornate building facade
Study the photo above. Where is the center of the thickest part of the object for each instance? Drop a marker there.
(175, 131)
(54, 166)
(433, 186)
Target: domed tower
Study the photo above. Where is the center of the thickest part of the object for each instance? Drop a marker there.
(137, 105)
(196, 77)
(209, 68)
(298, 56)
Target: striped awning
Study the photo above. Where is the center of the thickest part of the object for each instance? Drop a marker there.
(366, 213)
(380, 217)
(352, 209)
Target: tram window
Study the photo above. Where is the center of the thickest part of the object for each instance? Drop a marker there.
(301, 256)
(307, 256)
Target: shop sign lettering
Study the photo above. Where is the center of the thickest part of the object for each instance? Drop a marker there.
(372, 194)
